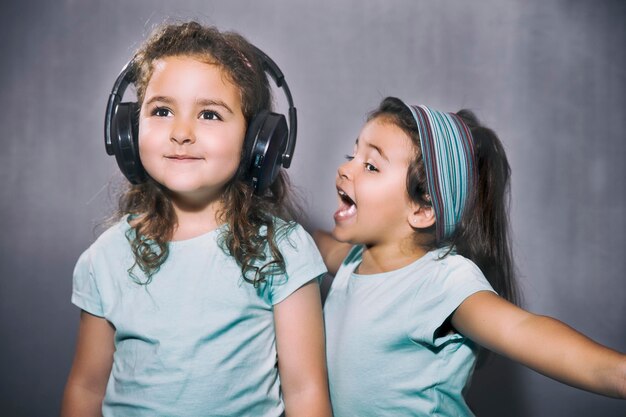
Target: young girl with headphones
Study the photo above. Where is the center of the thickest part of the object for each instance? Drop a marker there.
(203, 299)
(423, 199)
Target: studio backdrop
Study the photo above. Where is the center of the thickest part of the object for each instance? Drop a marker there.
(548, 76)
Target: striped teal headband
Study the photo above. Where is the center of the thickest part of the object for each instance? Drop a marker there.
(449, 160)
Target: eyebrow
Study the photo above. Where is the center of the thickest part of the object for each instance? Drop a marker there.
(201, 102)
(376, 148)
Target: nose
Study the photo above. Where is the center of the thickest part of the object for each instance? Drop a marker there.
(343, 171)
(182, 132)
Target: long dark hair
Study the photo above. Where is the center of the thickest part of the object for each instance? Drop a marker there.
(483, 232)
(252, 229)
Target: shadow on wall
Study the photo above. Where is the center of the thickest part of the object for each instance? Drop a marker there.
(496, 388)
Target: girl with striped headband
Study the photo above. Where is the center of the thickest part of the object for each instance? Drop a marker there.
(423, 273)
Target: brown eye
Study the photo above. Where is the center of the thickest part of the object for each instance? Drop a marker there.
(370, 167)
(161, 112)
(210, 115)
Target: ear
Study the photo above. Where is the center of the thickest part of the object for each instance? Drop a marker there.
(421, 216)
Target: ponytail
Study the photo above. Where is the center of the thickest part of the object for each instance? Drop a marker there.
(483, 233)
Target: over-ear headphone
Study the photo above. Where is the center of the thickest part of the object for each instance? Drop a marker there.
(268, 145)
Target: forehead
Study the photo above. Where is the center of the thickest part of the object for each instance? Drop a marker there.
(180, 67)
(188, 76)
(382, 134)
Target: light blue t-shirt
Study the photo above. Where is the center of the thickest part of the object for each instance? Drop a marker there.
(385, 356)
(197, 340)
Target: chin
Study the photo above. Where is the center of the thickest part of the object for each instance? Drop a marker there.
(192, 193)
(343, 236)
(183, 191)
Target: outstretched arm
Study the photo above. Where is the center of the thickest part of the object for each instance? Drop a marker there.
(333, 251)
(541, 343)
(90, 371)
(301, 354)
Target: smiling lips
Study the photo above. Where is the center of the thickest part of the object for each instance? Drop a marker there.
(182, 158)
(347, 207)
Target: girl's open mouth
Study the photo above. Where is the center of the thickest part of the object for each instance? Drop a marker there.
(347, 207)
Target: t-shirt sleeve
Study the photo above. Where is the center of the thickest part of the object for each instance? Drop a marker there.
(85, 294)
(303, 263)
(439, 295)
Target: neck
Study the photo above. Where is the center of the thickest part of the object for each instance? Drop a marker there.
(194, 219)
(385, 258)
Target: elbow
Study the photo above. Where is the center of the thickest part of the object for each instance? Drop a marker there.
(308, 397)
(310, 402)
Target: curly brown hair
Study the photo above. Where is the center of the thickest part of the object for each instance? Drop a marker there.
(253, 222)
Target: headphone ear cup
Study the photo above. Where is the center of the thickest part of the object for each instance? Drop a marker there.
(124, 140)
(264, 145)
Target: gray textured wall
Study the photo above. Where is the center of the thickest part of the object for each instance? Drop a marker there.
(549, 77)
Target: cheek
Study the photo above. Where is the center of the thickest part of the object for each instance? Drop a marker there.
(226, 144)
(147, 141)
(386, 198)
(227, 158)
(231, 150)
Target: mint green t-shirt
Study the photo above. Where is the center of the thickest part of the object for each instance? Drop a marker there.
(385, 355)
(197, 340)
